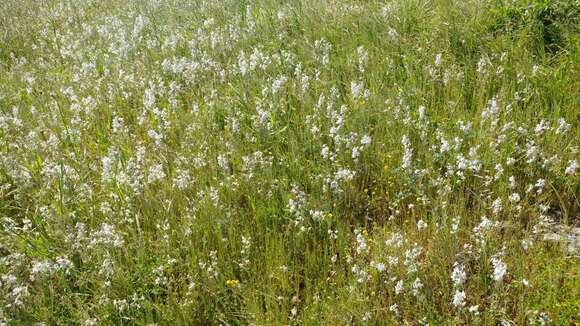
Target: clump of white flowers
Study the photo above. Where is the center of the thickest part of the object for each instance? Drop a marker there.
(499, 269)
(459, 298)
(359, 91)
(571, 168)
(458, 276)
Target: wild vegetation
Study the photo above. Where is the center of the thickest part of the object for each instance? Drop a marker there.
(303, 162)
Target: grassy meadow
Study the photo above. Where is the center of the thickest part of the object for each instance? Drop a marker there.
(300, 162)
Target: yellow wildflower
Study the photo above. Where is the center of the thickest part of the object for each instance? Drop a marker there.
(232, 283)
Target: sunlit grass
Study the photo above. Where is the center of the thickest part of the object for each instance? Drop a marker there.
(289, 162)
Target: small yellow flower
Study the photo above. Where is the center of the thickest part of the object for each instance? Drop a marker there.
(373, 293)
(232, 283)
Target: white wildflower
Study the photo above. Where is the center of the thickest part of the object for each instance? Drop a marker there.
(459, 299)
(458, 276)
(499, 269)
(571, 168)
(399, 287)
(496, 206)
(514, 198)
(474, 310)
(421, 225)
